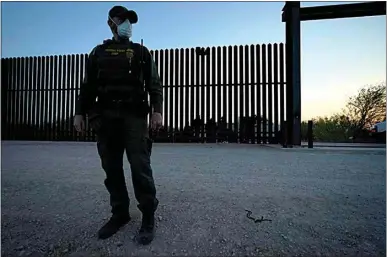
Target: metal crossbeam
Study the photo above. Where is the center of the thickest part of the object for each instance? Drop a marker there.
(339, 11)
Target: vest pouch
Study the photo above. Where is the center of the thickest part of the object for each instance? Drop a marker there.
(122, 92)
(114, 75)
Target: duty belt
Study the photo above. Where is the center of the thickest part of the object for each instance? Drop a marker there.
(115, 103)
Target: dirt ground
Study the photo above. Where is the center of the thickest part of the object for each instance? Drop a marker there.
(320, 203)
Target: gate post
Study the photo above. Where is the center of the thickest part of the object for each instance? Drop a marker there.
(293, 72)
(4, 94)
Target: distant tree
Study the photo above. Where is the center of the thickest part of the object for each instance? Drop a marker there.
(367, 107)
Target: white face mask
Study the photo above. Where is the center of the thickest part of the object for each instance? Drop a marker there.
(125, 29)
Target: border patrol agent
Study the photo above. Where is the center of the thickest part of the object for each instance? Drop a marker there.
(119, 75)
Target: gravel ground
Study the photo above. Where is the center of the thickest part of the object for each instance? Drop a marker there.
(321, 203)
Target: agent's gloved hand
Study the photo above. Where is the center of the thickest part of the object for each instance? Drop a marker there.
(79, 123)
(156, 121)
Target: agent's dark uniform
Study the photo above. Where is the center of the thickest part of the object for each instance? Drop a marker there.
(120, 74)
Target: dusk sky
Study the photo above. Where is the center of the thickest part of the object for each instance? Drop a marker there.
(338, 56)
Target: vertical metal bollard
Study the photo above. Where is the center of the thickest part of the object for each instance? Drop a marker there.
(310, 134)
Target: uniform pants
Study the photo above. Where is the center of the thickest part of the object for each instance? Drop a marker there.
(119, 133)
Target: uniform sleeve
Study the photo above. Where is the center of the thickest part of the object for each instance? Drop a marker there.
(153, 83)
(88, 87)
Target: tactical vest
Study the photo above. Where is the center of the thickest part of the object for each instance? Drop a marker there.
(120, 73)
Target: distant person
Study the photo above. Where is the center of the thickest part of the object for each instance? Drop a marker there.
(242, 129)
(211, 130)
(198, 124)
(222, 130)
(188, 132)
(116, 73)
(250, 129)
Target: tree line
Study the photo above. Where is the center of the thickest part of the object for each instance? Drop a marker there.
(354, 121)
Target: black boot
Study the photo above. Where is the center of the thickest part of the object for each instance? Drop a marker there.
(147, 231)
(113, 225)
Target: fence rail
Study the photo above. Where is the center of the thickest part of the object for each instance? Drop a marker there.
(230, 92)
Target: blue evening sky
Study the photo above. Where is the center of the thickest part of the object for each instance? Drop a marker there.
(338, 56)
